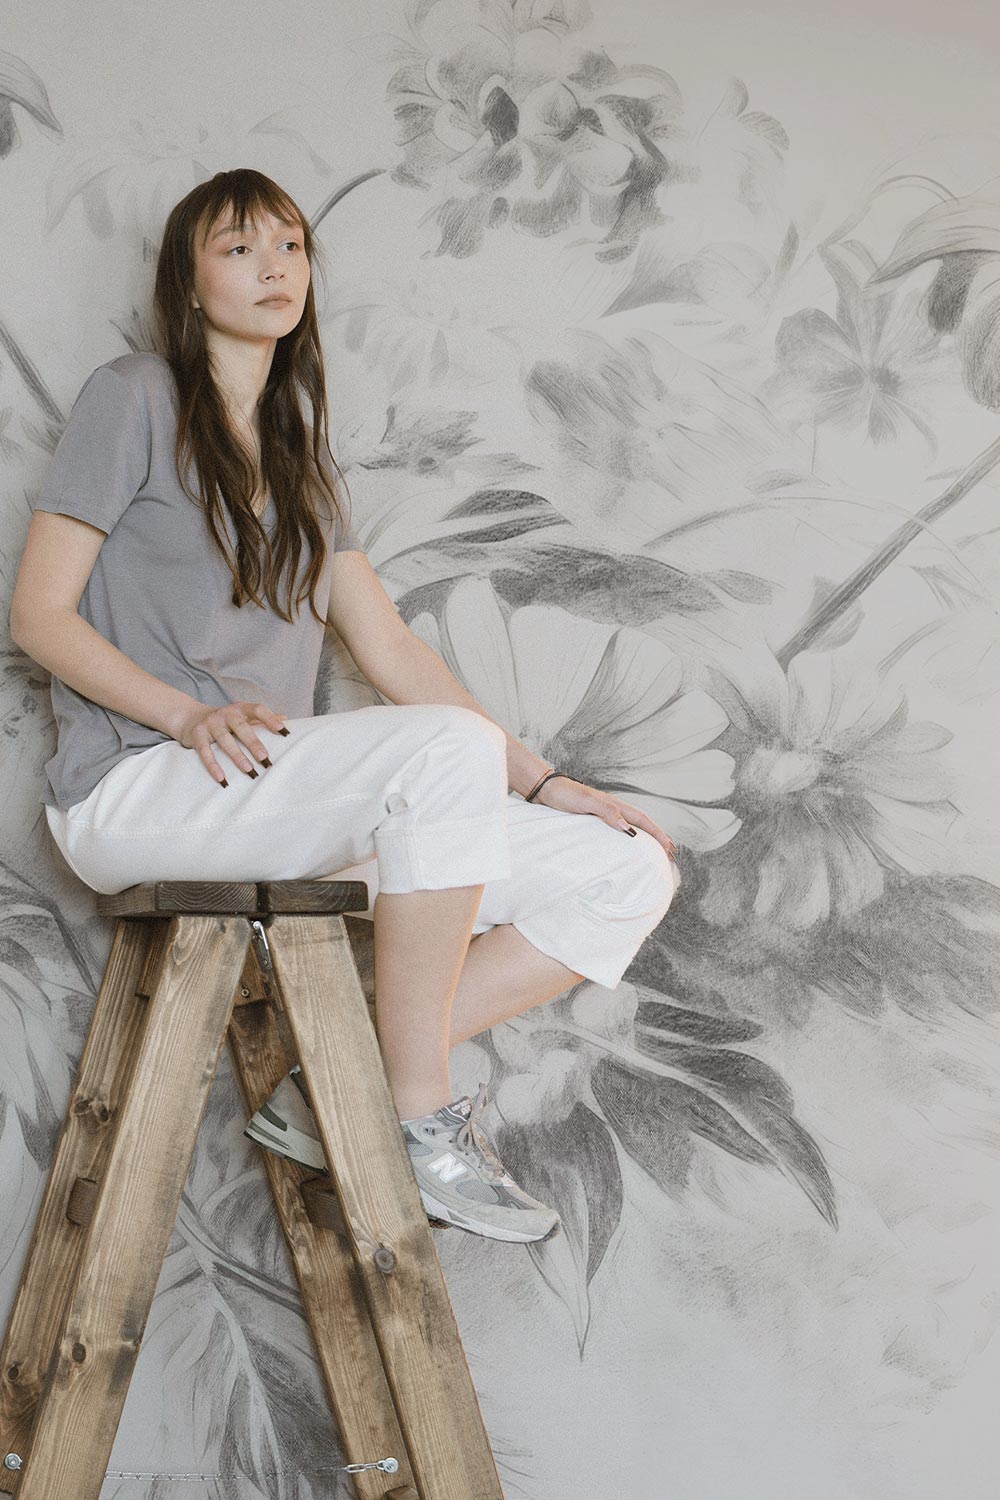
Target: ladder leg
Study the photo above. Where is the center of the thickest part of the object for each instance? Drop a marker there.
(80, 1156)
(262, 1051)
(101, 1328)
(387, 1230)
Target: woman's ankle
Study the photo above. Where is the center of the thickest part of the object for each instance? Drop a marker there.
(414, 1104)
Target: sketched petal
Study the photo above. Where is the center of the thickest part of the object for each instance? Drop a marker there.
(814, 351)
(960, 224)
(704, 777)
(21, 85)
(637, 676)
(979, 336)
(701, 828)
(556, 658)
(78, 177)
(476, 646)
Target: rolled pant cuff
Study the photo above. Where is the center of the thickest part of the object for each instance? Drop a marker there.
(436, 856)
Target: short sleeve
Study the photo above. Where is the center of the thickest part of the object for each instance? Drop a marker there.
(345, 537)
(102, 460)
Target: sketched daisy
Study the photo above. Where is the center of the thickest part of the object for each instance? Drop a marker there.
(523, 127)
(606, 705)
(836, 792)
(874, 368)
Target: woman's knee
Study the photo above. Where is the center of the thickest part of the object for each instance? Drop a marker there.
(473, 742)
(642, 882)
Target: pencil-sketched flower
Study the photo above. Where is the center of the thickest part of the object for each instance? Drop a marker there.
(873, 366)
(964, 297)
(835, 789)
(21, 86)
(133, 178)
(521, 125)
(739, 153)
(605, 705)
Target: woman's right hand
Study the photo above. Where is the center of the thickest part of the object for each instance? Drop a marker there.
(229, 727)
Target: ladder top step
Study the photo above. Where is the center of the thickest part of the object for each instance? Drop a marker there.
(164, 897)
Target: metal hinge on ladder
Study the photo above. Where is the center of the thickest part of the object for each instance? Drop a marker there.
(261, 946)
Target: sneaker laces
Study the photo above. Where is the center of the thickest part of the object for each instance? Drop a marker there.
(472, 1134)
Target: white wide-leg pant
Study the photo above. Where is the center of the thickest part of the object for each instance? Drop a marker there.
(405, 797)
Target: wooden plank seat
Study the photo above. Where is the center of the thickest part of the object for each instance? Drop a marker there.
(268, 968)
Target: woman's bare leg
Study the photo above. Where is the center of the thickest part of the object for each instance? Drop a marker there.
(503, 976)
(421, 940)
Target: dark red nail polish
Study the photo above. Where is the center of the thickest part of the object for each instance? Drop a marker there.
(252, 775)
(630, 832)
(283, 731)
(266, 761)
(223, 782)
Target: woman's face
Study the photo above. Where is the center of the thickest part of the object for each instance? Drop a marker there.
(238, 267)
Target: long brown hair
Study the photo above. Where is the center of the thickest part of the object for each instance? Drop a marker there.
(290, 465)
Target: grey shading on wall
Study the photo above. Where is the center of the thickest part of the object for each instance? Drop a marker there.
(667, 393)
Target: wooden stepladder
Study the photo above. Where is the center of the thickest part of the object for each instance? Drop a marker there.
(269, 967)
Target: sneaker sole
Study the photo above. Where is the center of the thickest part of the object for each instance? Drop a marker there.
(485, 1231)
(290, 1143)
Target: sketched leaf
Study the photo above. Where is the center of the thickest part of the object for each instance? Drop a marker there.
(769, 480)
(626, 590)
(506, 514)
(979, 335)
(957, 225)
(740, 1103)
(840, 630)
(748, 588)
(651, 1118)
(84, 178)
(20, 85)
(929, 942)
(21, 1177)
(695, 1025)
(574, 1167)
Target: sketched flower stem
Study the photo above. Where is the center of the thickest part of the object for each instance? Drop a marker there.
(29, 374)
(342, 192)
(853, 587)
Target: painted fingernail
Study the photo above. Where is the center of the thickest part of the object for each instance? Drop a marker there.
(223, 782)
(630, 832)
(252, 774)
(284, 731)
(266, 761)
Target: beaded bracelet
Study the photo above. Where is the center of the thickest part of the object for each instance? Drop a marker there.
(539, 784)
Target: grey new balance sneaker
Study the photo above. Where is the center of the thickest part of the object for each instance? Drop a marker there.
(287, 1125)
(461, 1179)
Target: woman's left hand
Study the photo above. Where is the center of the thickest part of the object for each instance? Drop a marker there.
(575, 796)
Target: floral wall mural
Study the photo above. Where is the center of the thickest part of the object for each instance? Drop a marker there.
(671, 418)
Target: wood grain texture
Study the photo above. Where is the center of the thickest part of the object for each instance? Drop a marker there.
(100, 1330)
(408, 1303)
(332, 1295)
(82, 1152)
(164, 897)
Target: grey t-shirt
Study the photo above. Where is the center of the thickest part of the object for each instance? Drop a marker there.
(159, 590)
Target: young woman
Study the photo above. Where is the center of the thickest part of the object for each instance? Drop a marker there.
(185, 554)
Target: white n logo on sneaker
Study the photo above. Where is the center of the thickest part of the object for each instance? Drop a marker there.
(447, 1167)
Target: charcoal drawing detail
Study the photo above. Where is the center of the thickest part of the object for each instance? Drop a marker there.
(583, 565)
